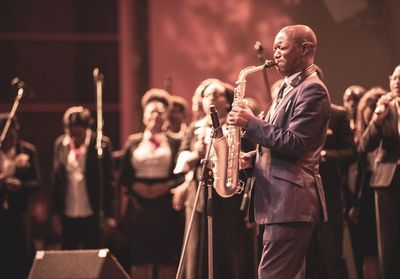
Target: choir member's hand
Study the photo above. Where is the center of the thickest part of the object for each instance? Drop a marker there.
(109, 225)
(22, 160)
(381, 108)
(13, 183)
(179, 196)
(56, 225)
(354, 215)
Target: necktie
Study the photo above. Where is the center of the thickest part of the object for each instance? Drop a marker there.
(280, 93)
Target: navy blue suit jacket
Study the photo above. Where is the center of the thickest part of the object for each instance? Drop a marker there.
(288, 186)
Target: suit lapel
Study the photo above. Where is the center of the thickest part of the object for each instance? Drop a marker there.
(291, 91)
(282, 105)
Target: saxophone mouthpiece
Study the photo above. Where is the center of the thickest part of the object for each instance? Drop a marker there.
(270, 63)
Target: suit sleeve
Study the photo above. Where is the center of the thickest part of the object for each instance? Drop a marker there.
(307, 121)
(370, 138)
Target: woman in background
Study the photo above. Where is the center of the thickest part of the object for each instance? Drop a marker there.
(154, 228)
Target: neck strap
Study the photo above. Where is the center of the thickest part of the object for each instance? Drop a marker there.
(303, 75)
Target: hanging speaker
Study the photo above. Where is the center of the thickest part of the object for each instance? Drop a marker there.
(74, 264)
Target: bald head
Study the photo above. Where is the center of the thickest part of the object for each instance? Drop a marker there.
(301, 34)
(294, 48)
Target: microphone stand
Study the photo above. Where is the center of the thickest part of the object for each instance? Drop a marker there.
(205, 173)
(11, 115)
(98, 80)
(210, 216)
(3, 135)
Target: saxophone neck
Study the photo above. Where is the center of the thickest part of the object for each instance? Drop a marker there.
(253, 69)
(247, 71)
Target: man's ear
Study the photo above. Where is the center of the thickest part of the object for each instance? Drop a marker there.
(306, 47)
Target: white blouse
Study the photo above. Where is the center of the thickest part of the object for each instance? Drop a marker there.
(152, 157)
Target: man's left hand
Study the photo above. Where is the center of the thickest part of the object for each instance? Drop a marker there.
(240, 116)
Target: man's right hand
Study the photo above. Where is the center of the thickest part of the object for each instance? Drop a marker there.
(245, 160)
(381, 109)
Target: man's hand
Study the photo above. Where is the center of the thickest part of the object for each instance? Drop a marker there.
(240, 116)
(245, 160)
(381, 109)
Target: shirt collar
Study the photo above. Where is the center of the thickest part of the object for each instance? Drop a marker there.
(67, 139)
(147, 135)
(288, 80)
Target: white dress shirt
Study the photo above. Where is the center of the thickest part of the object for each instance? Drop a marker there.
(77, 203)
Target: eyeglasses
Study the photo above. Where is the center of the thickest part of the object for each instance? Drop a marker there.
(395, 77)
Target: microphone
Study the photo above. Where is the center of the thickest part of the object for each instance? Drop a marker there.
(382, 107)
(97, 75)
(17, 83)
(215, 123)
(21, 87)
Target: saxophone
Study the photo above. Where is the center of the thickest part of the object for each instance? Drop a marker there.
(227, 148)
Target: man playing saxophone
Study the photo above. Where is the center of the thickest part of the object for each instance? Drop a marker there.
(288, 195)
